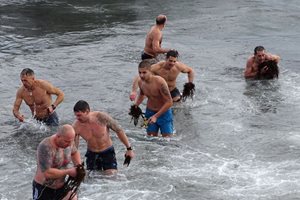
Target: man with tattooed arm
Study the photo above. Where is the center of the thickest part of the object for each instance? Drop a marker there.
(54, 154)
(93, 127)
(158, 111)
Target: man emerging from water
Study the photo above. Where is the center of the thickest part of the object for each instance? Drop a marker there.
(260, 56)
(169, 70)
(37, 95)
(154, 39)
(158, 111)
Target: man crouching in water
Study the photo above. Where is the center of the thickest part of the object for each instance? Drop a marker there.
(54, 154)
(253, 68)
(94, 127)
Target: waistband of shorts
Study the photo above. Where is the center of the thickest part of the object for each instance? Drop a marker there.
(45, 118)
(103, 151)
(145, 53)
(149, 110)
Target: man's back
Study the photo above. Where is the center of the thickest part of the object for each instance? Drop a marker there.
(153, 41)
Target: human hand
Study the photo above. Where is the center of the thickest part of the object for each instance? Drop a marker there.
(128, 156)
(51, 109)
(132, 96)
(20, 118)
(152, 119)
(72, 171)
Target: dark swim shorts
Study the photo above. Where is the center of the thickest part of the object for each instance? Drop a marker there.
(145, 56)
(51, 120)
(41, 192)
(175, 93)
(102, 160)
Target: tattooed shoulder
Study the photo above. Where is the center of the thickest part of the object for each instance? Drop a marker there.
(165, 89)
(107, 120)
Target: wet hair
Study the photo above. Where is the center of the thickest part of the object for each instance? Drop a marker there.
(161, 19)
(172, 53)
(27, 72)
(258, 48)
(145, 63)
(81, 106)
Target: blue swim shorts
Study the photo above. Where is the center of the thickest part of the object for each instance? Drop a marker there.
(164, 122)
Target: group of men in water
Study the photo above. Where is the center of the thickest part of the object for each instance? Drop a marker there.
(156, 81)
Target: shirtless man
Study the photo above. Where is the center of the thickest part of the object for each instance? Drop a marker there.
(94, 127)
(259, 57)
(158, 111)
(169, 70)
(37, 95)
(54, 154)
(154, 38)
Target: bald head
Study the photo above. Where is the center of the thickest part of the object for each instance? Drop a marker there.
(161, 19)
(65, 136)
(66, 130)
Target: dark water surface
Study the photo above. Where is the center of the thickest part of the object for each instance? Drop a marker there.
(235, 140)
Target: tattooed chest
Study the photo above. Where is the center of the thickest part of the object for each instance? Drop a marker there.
(61, 158)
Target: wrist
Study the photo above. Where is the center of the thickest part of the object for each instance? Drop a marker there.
(129, 148)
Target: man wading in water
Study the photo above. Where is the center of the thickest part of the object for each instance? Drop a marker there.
(37, 95)
(154, 39)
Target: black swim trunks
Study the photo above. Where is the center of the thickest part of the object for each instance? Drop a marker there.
(41, 192)
(146, 56)
(102, 160)
(51, 120)
(175, 93)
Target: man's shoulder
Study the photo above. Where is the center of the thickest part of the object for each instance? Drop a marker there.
(42, 83)
(159, 79)
(154, 31)
(250, 58)
(21, 90)
(100, 115)
(157, 66)
(45, 142)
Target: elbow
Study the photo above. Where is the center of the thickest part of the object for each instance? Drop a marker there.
(157, 50)
(62, 96)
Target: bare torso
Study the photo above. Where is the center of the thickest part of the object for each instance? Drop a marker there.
(153, 36)
(253, 63)
(170, 75)
(51, 157)
(95, 132)
(38, 99)
(152, 91)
